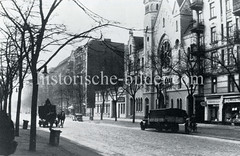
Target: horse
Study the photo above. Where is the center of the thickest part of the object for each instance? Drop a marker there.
(61, 118)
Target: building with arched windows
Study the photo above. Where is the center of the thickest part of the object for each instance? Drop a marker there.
(168, 37)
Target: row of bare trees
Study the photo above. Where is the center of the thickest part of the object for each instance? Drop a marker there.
(28, 33)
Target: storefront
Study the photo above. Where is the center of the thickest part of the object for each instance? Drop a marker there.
(231, 109)
(213, 109)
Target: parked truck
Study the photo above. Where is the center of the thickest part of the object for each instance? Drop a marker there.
(164, 119)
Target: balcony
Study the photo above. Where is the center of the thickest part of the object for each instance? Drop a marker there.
(196, 5)
(236, 7)
(198, 27)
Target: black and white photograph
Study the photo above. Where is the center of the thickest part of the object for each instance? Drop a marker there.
(120, 77)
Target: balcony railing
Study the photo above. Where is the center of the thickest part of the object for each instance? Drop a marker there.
(198, 27)
(196, 5)
(236, 7)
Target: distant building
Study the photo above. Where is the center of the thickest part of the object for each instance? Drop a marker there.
(96, 62)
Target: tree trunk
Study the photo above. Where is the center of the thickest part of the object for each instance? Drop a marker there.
(134, 112)
(32, 145)
(10, 101)
(5, 96)
(190, 105)
(115, 109)
(18, 105)
(103, 105)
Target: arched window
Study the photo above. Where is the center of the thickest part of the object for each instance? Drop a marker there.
(141, 104)
(177, 103)
(166, 54)
(157, 7)
(172, 104)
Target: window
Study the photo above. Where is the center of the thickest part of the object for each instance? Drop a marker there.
(214, 59)
(230, 83)
(176, 26)
(229, 29)
(228, 5)
(180, 106)
(179, 82)
(213, 34)
(142, 63)
(189, 53)
(146, 9)
(200, 16)
(222, 57)
(222, 32)
(157, 7)
(151, 8)
(165, 54)
(212, 10)
(172, 104)
(230, 56)
(221, 10)
(122, 108)
(163, 22)
(214, 84)
(201, 39)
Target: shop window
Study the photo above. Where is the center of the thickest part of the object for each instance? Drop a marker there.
(214, 84)
(231, 83)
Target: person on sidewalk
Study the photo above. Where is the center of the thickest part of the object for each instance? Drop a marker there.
(7, 143)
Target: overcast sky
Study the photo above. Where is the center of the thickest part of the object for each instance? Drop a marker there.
(129, 13)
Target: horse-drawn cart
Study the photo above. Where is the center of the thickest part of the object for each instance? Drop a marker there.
(47, 115)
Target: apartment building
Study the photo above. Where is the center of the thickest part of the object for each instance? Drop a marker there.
(201, 37)
(95, 63)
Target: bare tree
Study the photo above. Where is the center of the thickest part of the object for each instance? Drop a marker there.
(34, 20)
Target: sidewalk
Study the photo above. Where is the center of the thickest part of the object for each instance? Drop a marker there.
(211, 130)
(65, 148)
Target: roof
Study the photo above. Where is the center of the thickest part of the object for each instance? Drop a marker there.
(138, 42)
(180, 2)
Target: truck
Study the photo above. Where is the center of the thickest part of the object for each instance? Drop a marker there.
(164, 119)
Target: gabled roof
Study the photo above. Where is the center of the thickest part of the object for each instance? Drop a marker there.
(180, 2)
(138, 42)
